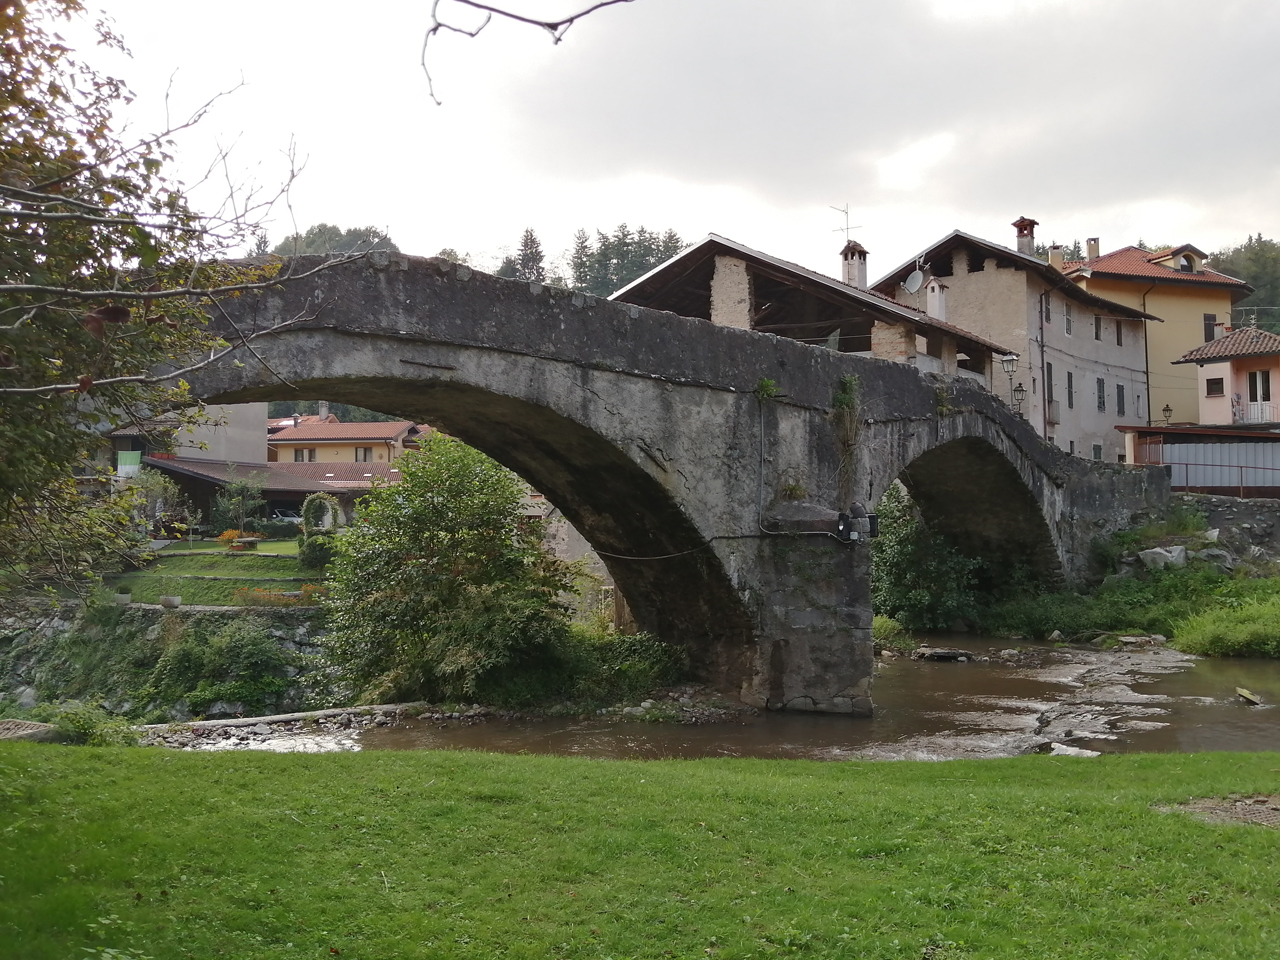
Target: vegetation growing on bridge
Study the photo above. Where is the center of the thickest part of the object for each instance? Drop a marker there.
(471, 855)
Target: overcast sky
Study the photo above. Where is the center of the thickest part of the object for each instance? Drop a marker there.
(1123, 119)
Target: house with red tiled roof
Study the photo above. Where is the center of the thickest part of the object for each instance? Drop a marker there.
(328, 442)
(1235, 375)
(727, 283)
(1192, 300)
(1082, 370)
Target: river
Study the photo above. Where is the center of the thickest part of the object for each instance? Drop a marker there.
(1148, 699)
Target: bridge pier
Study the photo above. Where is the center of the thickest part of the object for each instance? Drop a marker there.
(813, 641)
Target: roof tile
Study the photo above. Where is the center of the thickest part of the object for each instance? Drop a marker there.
(1245, 342)
(1136, 262)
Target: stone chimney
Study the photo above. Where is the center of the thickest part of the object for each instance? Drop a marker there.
(1091, 248)
(1026, 228)
(1055, 256)
(322, 410)
(853, 261)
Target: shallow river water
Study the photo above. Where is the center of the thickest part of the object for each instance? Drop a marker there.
(1149, 699)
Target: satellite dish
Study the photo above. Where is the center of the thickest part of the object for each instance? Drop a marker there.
(914, 281)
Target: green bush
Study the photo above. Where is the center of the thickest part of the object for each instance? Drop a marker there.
(1251, 629)
(442, 584)
(273, 529)
(317, 551)
(890, 634)
(918, 578)
(86, 724)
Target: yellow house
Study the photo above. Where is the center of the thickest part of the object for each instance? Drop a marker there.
(1175, 284)
(329, 442)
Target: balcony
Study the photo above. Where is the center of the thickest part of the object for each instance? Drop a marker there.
(1254, 412)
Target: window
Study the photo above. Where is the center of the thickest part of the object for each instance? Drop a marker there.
(364, 454)
(1033, 386)
(1213, 387)
(301, 455)
(1119, 399)
(1210, 326)
(1071, 447)
(1048, 382)
(1259, 386)
(1097, 327)
(1137, 405)
(1046, 307)
(1097, 451)
(1121, 458)
(1119, 333)
(1102, 397)
(1071, 391)
(1186, 264)
(1066, 318)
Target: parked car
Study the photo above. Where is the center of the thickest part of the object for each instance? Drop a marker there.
(288, 516)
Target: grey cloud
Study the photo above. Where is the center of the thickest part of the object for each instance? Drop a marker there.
(1087, 102)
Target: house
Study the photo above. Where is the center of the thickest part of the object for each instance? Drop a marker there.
(724, 282)
(1234, 376)
(1193, 301)
(332, 442)
(235, 435)
(1083, 366)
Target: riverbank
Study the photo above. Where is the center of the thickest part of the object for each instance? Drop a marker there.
(468, 855)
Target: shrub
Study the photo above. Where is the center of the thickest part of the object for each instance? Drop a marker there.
(918, 578)
(444, 580)
(1250, 629)
(276, 529)
(87, 724)
(316, 551)
(889, 634)
(227, 536)
(123, 588)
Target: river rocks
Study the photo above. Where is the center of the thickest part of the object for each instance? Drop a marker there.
(1065, 750)
(1157, 558)
(941, 653)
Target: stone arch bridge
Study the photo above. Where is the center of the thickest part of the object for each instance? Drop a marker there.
(714, 505)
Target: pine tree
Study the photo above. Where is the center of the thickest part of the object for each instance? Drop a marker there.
(529, 259)
(580, 261)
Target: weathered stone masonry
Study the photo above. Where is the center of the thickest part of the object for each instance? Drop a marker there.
(710, 506)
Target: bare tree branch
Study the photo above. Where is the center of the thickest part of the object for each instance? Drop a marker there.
(146, 378)
(556, 28)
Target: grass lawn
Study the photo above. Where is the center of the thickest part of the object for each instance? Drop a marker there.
(288, 547)
(447, 854)
(163, 577)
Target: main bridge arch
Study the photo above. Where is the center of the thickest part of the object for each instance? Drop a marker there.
(712, 502)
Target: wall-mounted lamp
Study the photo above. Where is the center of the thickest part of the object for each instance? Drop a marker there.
(1019, 394)
(1168, 412)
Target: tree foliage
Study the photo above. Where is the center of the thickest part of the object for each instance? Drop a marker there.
(611, 261)
(324, 239)
(442, 584)
(105, 278)
(1257, 262)
(918, 578)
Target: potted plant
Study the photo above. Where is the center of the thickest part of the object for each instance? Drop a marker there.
(124, 594)
(171, 603)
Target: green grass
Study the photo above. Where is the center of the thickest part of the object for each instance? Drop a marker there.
(889, 634)
(163, 577)
(1160, 602)
(1250, 629)
(468, 855)
(287, 547)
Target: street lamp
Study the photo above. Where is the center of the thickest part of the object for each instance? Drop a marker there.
(1168, 412)
(1019, 394)
(1010, 364)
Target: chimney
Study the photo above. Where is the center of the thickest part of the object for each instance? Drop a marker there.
(853, 262)
(1091, 248)
(936, 300)
(296, 420)
(1026, 228)
(322, 410)
(1055, 256)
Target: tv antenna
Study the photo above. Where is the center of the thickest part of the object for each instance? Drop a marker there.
(846, 228)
